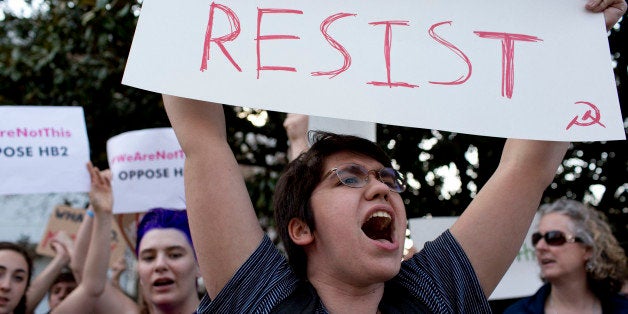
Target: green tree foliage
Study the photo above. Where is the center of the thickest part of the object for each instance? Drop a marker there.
(73, 53)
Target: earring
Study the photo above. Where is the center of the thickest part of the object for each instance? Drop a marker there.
(588, 266)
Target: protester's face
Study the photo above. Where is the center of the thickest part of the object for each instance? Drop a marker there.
(13, 279)
(342, 248)
(166, 267)
(561, 261)
(59, 291)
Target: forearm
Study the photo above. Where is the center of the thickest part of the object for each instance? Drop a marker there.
(296, 126)
(297, 146)
(220, 212)
(85, 298)
(534, 159)
(97, 261)
(198, 125)
(39, 286)
(491, 230)
(81, 247)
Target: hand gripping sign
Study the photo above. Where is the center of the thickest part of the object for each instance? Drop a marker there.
(502, 68)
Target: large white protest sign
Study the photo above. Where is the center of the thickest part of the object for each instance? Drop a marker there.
(521, 279)
(147, 170)
(43, 150)
(508, 68)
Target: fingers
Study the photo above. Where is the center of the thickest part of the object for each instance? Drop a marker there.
(613, 10)
(100, 194)
(57, 247)
(64, 239)
(94, 173)
(99, 178)
(107, 174)
(62, 252)
(595, 5)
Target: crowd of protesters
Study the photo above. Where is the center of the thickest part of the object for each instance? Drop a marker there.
(342, 222)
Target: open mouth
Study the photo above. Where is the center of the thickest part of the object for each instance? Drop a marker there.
(378, 226)
(163, 282)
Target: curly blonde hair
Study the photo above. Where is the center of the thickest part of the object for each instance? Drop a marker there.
(607, 269)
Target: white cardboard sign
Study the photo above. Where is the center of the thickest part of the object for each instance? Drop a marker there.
(507, 68)
(43, 149)
(521, 279)
(147, 170)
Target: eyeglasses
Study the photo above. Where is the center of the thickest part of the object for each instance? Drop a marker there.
(356, 176)
(554, 238)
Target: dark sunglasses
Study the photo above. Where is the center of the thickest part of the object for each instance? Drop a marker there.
(554, 238)
(356, 176)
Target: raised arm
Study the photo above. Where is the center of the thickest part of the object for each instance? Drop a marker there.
(84, 297)
(40, 285)
(296, 129)
(492, 229)
(81, 244)
(224, 227)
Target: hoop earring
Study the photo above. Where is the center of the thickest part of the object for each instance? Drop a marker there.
(588, 266)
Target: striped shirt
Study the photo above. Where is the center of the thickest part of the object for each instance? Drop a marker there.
(440, 277)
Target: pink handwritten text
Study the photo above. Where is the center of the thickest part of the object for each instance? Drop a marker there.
(508, 41)
(156, 156)
(45, 132)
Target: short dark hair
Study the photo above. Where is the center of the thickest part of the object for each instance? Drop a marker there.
(295, 186)
(64, 276)
(21, 306)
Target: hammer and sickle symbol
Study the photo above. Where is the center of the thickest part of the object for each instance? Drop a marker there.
(590, 117)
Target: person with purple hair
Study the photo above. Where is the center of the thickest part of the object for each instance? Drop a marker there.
(167, 266)
(93, 294)
(166, 262)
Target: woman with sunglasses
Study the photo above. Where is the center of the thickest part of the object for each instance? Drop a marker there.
(582, 264)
